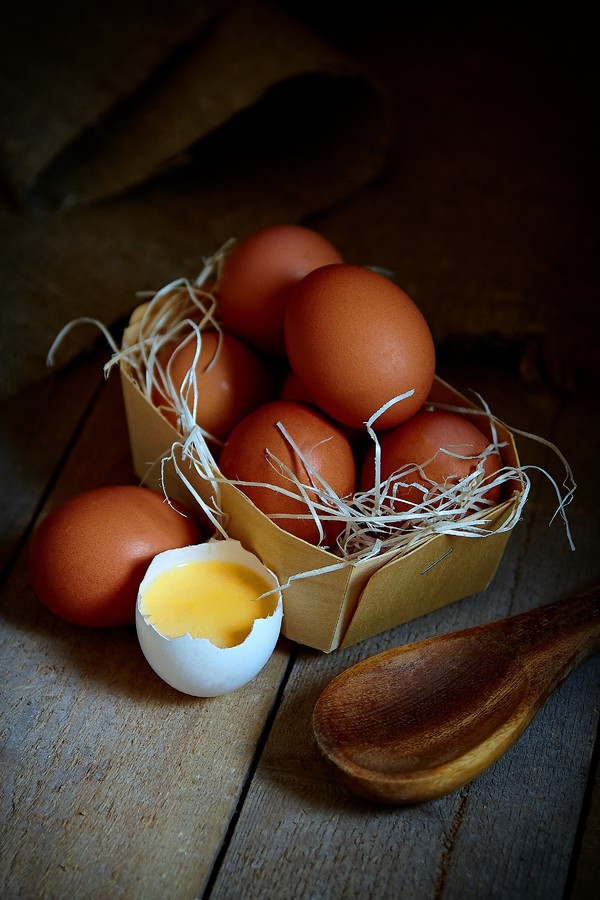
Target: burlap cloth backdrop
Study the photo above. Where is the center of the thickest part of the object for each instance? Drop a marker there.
(138, 136)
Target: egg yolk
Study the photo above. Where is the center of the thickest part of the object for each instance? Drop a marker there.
(207, 599)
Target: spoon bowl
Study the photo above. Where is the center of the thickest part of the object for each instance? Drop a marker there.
(416, 722)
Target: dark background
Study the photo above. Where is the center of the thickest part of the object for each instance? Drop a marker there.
(459, 154)
(488, 208)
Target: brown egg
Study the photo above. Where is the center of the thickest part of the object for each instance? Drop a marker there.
(291, 389)
(320, 441)
(88, 556)
(231, 381)
(258, 275)
(356, 340)
(423, 441)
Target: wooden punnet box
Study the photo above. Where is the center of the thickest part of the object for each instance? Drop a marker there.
(350, 603)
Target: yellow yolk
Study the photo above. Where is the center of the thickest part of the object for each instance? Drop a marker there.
(208, 599)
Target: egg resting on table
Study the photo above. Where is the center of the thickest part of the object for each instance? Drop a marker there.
(88, 556)
(190, 657)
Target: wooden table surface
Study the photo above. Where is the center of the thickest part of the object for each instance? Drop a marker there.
(113, 785)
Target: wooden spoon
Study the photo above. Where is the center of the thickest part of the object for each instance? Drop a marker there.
(416, 722)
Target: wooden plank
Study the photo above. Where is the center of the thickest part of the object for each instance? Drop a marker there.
(113, 783)
(512, 831)
(37, 427)
(586, 877)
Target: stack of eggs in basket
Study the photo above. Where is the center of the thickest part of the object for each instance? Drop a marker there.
(312, 391)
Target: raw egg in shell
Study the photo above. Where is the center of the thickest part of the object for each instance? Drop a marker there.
(257, 277)
(356, 341)
(228, 381)
(258, 452)
(291, 388)
(201, 621)
(436, 449)
(88, 555)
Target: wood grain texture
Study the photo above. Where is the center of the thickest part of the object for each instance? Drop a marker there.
(113, 784)
(512, 831)
(585, 873)
(44, 416)
(421, 720)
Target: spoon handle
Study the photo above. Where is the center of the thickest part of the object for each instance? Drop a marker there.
(564, 634)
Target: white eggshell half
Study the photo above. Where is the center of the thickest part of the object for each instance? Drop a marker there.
(194, 665)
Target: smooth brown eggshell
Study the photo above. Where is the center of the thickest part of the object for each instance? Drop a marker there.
(291, 388)
(88, 556)
(322, 443)
(425, 437)
(356, 340)
(231, 381)
(258, 275)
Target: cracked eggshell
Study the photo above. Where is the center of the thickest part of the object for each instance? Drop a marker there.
(196, 666)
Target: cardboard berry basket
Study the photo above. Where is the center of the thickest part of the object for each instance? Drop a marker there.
(340, 607)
